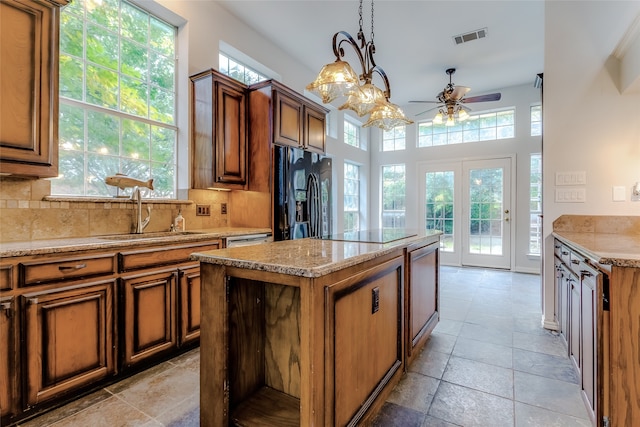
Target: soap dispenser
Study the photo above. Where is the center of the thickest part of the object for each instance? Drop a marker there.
(178, 223)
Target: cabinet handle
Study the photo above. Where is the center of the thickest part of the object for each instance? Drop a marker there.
(6, 306)
(565, 253)
(575, 261)
(586, 273)
(72, 267)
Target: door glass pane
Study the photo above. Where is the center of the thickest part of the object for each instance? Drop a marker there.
(439, 206)
(485, 213)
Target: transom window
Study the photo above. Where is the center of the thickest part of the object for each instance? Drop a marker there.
(351, 197)
(239, 71)
(394, 139)
(393, 196)
(351, 134)
(117, 99)
(478, 127)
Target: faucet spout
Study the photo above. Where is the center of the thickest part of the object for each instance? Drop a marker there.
(139, 223)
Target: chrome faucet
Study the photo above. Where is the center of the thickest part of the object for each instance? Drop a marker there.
(139, 223)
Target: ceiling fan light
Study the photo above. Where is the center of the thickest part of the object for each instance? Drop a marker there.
(462, 114)
(362, 99)
(450, 121)
(334, 80)
(437, 120)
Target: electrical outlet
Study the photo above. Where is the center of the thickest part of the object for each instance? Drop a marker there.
(223, 208)
(203, 210)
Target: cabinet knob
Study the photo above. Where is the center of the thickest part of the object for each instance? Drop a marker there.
(6, 307)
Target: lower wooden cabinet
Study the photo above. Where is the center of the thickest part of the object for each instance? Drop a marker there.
(421, 296)
(188, 305)
(148, 315)
(68, 338)
(8, 358)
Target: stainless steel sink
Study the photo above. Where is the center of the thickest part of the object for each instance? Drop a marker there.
(156, 235)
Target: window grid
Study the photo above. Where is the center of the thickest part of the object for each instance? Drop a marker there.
(351, 134)
(117, 99)
(351, 197)
(239, 71)
(536, 120)
(478, 127)
(393, 196)
(535, 205)
(439, 209)
(394, 139)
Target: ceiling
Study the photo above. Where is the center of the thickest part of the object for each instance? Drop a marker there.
(413, 39)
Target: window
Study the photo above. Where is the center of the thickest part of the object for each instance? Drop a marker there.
(536, 120)
(351, 197)
(535, 205)
(394, 139)
(238, 71)
(117, 99)
(351, 134)
(439, 206)
(478, 127)
(393, 196)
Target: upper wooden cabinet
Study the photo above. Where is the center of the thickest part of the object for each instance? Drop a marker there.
(29, 32)
(218, 126)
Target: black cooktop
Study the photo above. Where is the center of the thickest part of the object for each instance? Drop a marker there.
(385, 235)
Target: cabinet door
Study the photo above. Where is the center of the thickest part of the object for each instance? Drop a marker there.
(189, 305)
(69, 338)
(589, 338)
(8, 361)
(287, 126)
(148, 317)
(314, 130)
(231, 135)
(29, 87)
(365, 340)
(574, 321)
(563, 285)
(421, 296)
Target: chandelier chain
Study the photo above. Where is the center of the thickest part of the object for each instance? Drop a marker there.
(371, 21)
(360, 11)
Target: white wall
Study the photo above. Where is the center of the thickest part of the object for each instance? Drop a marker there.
(519, 97)
(588, 124)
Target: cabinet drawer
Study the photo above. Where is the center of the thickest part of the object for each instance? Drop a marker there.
(37, 272)
(143, 258)
(7, 277)
(557, 248)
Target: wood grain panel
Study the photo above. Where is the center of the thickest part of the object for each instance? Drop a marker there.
(8, 376)
(314, 130)
(287, 121)
(625, 351)
(282, 338)
(174, 254)
(189, 305)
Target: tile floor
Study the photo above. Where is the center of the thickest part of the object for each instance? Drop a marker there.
(487, 363)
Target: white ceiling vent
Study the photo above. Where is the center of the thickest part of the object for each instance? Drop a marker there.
(473, 35)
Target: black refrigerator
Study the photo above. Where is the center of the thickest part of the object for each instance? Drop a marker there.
(302, 194)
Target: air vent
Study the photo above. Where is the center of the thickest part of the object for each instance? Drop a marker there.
(473, 35)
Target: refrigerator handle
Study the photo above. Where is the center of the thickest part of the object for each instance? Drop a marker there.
(285, 222)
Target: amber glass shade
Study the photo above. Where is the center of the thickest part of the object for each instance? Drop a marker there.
(362, 99)
(387, 116)
(335, 79)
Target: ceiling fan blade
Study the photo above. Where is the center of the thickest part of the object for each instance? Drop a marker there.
(483, 98)
(426, 102)
(426, 111)
(459, 92)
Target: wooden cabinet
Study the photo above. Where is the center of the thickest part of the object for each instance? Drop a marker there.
(365, 345)
(422, 297)
(148, 315)
(29, 32)
(188, 304)
(9, 395)
(298, 122)
(574, 320)
(68, 338)
(219, 135)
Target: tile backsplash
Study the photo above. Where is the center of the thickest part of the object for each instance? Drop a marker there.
(28, 212)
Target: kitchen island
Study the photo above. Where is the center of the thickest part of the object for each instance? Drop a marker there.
(312, 332)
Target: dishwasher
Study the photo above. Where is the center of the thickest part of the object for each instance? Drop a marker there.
(248, 240)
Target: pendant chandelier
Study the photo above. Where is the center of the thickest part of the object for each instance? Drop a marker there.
(338, 79)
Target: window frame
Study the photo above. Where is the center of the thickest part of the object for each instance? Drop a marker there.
(399, 134)
(535, 219)
(394, 213)
(357, 195)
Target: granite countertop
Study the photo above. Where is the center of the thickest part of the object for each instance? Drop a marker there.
(118, 241)
(621, 250)
(307, 257)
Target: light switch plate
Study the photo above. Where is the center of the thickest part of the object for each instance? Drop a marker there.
(619, 193)
(571, 195)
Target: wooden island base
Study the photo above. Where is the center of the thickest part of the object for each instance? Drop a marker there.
(322, 345)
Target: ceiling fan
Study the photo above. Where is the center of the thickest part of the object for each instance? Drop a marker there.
(451, 101)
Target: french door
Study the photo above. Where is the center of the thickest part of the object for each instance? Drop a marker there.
(470, 202)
